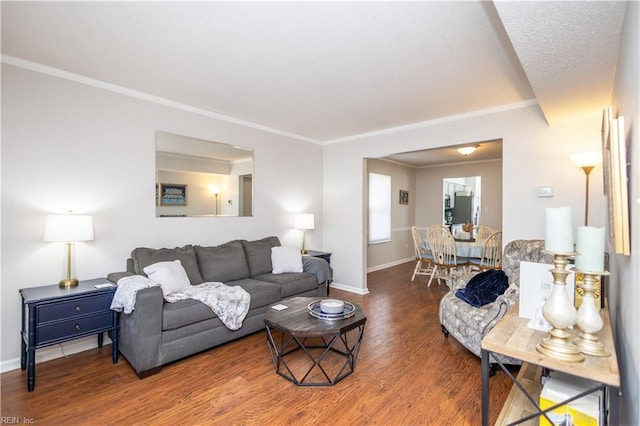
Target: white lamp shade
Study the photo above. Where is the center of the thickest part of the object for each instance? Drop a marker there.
(586, 159)
(68, 227)
(304, 221)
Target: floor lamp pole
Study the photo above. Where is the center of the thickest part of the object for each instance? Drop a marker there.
(587, 170)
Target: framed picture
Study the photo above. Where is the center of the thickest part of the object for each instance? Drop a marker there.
(172, 194)
(404, 197)
(616, 174)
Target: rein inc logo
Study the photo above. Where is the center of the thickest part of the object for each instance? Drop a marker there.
(6, 420)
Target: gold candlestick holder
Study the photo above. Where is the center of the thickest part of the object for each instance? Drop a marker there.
(588, 319)
(561, 314)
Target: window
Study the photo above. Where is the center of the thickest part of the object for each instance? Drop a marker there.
(379, 208)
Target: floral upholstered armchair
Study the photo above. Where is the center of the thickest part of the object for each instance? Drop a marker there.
(469, 324)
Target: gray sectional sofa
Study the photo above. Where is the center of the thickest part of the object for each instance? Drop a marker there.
(157, 332)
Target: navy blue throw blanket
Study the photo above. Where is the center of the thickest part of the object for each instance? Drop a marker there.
(484, 288)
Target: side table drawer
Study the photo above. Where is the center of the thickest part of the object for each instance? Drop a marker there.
(73, 327)
(73, 308)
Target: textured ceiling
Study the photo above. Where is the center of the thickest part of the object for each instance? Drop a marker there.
(329, 71)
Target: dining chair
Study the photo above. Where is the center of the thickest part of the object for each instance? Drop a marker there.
(491, 253)
(424, 259)
(481, 232)
(444, 251)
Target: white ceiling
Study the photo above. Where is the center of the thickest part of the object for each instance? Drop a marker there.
(329, 71)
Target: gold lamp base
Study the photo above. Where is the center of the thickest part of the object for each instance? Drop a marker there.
(72, 282)
(588, 344)
(558, 346)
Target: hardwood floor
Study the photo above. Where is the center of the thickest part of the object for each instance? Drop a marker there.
(406, 373)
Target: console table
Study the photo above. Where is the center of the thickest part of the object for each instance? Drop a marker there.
(52, 315)
(512, 337)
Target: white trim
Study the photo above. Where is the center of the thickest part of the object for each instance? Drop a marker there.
(350, 289)
(45, 69)
(389, 265)
(465, 116)
(55, 72)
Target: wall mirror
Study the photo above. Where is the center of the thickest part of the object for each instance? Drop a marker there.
(201, 178)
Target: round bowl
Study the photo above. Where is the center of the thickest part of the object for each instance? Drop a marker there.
(332, 306)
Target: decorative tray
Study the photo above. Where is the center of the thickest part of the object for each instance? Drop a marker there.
(315, 311)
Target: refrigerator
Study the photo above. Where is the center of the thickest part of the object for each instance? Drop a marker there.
(463, 208)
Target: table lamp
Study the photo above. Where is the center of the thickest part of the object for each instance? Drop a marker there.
(68, 228)
(304, 221)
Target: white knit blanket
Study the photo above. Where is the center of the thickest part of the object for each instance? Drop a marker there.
(125, 298)
(230, 304)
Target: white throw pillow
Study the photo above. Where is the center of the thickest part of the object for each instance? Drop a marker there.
(286, 259)
(170, 275)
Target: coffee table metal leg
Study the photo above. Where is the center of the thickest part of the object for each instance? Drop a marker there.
(279, 351)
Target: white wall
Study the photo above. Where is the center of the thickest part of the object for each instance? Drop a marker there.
(625, 279)
(534, 154)
(400, 248)
(67, 145)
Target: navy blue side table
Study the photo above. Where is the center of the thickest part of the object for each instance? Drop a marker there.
(52, 315)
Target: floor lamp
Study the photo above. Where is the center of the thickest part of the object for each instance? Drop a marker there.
(215, 191)
(587, 161)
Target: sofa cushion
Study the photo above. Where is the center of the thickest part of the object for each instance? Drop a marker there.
(223, 263)
(184, 312)
(143, 256)
(190, 311)
(262, 293)
(291, 284)
(259, 254)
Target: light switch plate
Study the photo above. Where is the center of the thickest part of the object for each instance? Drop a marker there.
(545, 191)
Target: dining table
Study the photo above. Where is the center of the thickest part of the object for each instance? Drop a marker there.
(464, 248)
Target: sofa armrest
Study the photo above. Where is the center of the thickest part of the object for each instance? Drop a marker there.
(140, 333)
(498, 309)
(319, 267)
(115, 276)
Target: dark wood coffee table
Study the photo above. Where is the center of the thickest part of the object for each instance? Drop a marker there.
(309, 351)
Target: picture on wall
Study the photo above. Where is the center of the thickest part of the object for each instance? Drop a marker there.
(404, 197)
(616, 185)
(172, 194)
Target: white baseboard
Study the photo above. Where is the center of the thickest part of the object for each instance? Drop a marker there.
(361, 291)
(389, 265)
(57, 351)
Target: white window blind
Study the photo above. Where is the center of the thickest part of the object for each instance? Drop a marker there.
(379, 208)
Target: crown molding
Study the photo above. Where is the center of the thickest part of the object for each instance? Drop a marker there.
(55, 72)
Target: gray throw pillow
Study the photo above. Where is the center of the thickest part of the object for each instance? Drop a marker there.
(143, 256)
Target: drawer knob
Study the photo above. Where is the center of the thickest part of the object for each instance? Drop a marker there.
(77, 327)
(78, 309)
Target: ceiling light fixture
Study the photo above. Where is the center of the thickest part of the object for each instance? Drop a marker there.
(466, 150)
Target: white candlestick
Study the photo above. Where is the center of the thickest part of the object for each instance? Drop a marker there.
(590, 248)
(558, 236)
